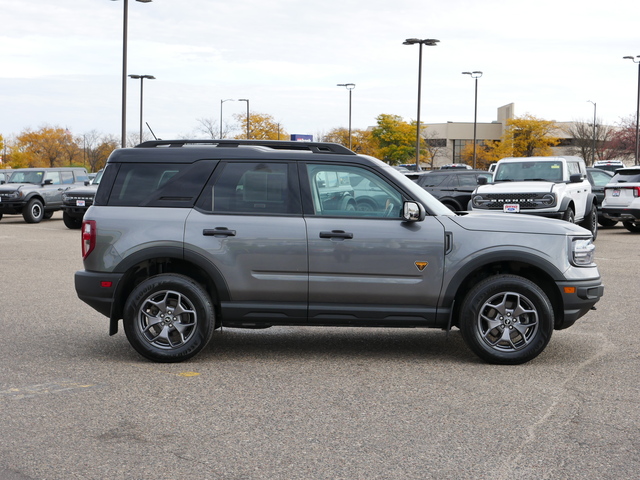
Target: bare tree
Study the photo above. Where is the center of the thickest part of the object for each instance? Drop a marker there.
(585, 144)
(436, 147)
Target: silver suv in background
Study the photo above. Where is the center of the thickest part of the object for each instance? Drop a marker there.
(185, 237)
(622, 198)
(36, 193)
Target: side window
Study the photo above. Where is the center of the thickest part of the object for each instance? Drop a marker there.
(600, 179)
(66, 177)
(157, 184)
(469, 181)
(339, 190)
(54, 177)
(573, 167)
(252, 188)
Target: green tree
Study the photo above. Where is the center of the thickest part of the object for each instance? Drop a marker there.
(261, 127)
(396, 139)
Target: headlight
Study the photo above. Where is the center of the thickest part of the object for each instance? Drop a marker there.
(548, 199)
(479, 202)
(583, 252)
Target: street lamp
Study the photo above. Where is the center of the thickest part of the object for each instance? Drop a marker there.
(348, 86)
(124, 70)
(593, 148)
(629, 57)
(430, 42)
(141, 77)
(246, 100)
(475, 75)
(221, 102)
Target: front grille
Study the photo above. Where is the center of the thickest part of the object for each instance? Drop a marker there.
(496, 201)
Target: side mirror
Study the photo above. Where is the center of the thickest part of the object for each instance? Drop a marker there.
(576, 178)
(48, 181)
(413, 212)
(482, 180)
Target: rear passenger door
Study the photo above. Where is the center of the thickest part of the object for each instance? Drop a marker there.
(52, 189)
(248, 228)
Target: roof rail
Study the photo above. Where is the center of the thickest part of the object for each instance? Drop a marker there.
(315, 147)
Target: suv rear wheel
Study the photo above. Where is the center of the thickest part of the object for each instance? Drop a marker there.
(632, 227)
(590, 221)
(506, 319)
(169, 318)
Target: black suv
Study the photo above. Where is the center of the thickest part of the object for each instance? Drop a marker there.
(453, 187)
(76, 201)
(185, 237)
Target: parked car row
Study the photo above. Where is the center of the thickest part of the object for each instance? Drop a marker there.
(36, 193)
(566, 188)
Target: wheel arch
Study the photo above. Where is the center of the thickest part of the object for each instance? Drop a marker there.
(525, 265)
(147, 263)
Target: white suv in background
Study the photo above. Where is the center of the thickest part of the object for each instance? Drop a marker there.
(622, 198)
(553, 187)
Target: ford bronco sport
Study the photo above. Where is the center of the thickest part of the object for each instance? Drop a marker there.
(185, 237)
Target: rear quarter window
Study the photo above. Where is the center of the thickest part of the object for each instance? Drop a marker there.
(154, 185)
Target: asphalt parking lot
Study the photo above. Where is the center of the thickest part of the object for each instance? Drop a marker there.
(306, 403)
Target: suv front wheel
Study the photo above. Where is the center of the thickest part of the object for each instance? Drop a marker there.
(169, 318)
(34, 211)
(506, 319)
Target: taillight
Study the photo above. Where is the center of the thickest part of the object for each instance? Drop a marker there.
(88, 237)
(636, 192)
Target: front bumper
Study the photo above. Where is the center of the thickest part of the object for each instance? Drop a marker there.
(578, 298)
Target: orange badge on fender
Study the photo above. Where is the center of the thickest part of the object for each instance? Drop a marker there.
(421, 265)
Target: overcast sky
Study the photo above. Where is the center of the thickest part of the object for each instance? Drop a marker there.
(62, 61)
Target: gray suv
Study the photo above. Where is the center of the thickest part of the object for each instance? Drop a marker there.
(36, 193)
(185, 237)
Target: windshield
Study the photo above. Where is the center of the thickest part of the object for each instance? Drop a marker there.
(528, 171)
(96, 179)
(27, 177)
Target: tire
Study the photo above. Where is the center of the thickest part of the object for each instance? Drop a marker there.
(169, 318)
(607, 222)
(71, 222)
(512, 304)
(47, 215)
(33, 212)
(569, 216)
(590, 221)
(632, 227)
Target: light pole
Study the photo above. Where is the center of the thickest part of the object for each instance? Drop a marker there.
(348, 86)
(593, 147)
(124, 70)
(475, 75)
(430, 42)
(629, 57)
(142, 77)
(246, 100)
(221, 102)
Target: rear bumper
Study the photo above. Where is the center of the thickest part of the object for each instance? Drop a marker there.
(621, 214)
(97, 289)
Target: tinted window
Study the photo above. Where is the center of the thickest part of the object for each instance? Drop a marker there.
(431, 180)
(157, 185)
(627, 176)
(252, 188)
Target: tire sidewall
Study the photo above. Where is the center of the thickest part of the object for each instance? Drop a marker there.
(29, 215)
(196, 295)
(486, 289)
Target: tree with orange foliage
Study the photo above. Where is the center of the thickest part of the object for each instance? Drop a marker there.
(47, 147)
